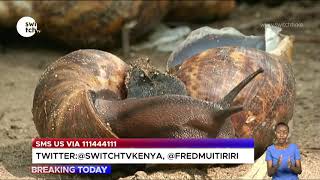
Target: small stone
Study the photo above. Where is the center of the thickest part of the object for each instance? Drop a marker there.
(140, 175)
(15, 127)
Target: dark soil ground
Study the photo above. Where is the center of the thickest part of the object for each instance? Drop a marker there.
(21, 65)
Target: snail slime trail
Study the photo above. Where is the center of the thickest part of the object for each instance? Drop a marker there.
(83, 94)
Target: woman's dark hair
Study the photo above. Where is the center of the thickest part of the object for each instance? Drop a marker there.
(281, 124)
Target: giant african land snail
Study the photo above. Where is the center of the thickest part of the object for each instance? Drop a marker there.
(210, 62)
(83, 94)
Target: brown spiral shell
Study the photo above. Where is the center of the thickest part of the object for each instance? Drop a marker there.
(62, 106)
(86, 23)
(211, 74)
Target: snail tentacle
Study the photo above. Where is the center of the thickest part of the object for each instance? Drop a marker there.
(227, 100)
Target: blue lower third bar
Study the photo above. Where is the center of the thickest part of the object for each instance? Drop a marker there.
(71, 169)
(92, 169)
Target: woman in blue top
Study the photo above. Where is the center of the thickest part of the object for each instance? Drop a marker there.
(283, 159)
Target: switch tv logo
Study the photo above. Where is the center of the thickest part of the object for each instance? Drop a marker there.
(27, 26)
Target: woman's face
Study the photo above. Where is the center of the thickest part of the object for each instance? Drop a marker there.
(282, 134)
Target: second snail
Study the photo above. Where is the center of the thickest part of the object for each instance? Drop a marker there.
(220, 91)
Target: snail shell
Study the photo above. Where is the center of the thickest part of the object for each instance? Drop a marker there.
(86, 23)
(211, 73)
(62, 104)
(83, 94)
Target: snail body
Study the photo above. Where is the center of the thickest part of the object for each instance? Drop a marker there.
(211, 72)
(83, 94)
(165, 116)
